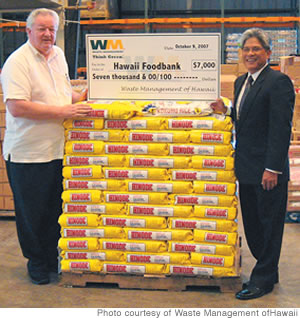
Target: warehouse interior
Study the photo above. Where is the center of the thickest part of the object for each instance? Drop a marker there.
(229, 18)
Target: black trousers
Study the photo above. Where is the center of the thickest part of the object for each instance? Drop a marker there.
(263, 215)
(37, 189)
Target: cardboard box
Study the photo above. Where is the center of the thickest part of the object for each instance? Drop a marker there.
(296, 135)
(2, 119)
(6, 190)
(3, 176)
(296, 120)
(229, 69)
(9, 203)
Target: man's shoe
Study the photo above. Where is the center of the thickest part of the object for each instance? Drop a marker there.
(252, 292)
(37, 275)
(247, 284)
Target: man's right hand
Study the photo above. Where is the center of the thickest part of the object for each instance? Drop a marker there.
(218, 106)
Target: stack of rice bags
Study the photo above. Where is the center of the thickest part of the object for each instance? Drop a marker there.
(149, 188)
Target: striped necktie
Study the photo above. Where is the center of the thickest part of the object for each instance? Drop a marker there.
(246, 91)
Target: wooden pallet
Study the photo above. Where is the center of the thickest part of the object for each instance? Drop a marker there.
(153, 282)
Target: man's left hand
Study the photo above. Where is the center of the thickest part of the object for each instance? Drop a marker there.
(269, 180)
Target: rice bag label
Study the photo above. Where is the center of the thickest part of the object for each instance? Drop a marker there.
(77, 221)
(82, 245)
(83, 266)
(194, 175)
(84, 208)
(83, 232)
(190, 124)
(194, 224)
(150, 137)
(192, 150)
(81, 172)
(212, 260)
(212, 137)
(81, 197)
(121, 246)
(216, 213)
(190, 270)
(151, 162)
(88, 135)
(124, 222)
(196, 248)
(149, 235)
(196, 200)
(149, 187)
(125, 124)
(84, 123)
(216, 238)
(157, 259)
(126, 149)
(74, 184)
(76, 161)
(157, 211)
(119, 268)
(98, 113)
(85, 255)
(82, 147)
(126, 174)
(215, 188)
(214, 163)
(127, 198)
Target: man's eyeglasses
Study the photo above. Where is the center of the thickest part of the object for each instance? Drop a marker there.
(254, 49)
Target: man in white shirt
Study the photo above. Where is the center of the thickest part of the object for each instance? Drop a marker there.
(38, 97)
(262, 112)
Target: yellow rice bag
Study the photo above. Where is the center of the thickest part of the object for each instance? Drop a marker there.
(158, 162)
(203, 248)
(134, 269)
(160, 210)
(161, 258)
(212, 260)
(91, 196)
(166, 136)
(225, 163)
(201, 271)
(100, 135)
(202, 175)
(113, 256)
(134, 221)
(135, 173)
(110, 161)
(210, 200)
(94, 208)
(91, 172)
(104, 185)
(136, 149)
(101, 232)
(203, 224)
(91, 265)
(162, 235)
(136, 197)
(215, 237)
(84, 123)
(228, 213)
(83, 220)
(203, 123)
(134, 246)
(80, 244)
(113, 109)
(200, 150)
(136, 123)
(211, 137)
(84, 147)
(152, 186)
(214, 187)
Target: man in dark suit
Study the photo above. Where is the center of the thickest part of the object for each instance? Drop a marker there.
(262, 112)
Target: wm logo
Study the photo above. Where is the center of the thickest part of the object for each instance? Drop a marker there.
(107, 44)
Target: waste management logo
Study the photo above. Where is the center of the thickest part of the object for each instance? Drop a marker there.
(107, 45)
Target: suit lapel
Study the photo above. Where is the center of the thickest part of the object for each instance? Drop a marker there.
(250, 98)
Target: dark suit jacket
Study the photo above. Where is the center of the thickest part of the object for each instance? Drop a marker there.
(264, 129)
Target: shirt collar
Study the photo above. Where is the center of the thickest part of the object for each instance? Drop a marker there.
(256, 74)
(36, 52)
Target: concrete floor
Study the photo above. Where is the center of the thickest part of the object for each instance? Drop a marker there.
(16, 291)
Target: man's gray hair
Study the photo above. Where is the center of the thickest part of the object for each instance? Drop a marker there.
(41, 11)
(259, 34)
